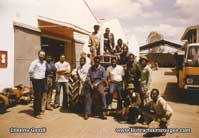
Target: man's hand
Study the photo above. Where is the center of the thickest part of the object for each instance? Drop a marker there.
(163, 120)
(92, 86)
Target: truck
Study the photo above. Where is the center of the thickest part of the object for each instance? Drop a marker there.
(188, 69)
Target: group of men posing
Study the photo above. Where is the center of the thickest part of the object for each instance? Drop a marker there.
(128, 78)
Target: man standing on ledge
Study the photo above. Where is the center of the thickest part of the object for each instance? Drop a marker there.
(37, 72)
(94, 42)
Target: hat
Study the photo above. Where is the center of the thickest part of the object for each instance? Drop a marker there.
(144, 58)
(83, 54)
(130, 86)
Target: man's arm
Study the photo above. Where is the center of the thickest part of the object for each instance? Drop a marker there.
(113, 41)
(167, 109)
(104, 77)
(108, 74)
(138, 100)
(88, 78)
(31, 69)
(148, 83)
(68, 68)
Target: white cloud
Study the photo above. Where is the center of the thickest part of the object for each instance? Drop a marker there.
(171, 33)
(146, 3)
(119, 8)
(140, 17)
(188, 8)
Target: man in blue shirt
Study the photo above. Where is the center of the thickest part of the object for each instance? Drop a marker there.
(95, 80)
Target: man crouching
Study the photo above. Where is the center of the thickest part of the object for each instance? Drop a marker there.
(131, 111)
(157, 111)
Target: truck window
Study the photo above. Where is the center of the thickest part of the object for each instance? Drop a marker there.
(193, 55)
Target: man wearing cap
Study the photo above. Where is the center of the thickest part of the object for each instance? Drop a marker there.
(131, 111)
(115, 75)
(145, 79)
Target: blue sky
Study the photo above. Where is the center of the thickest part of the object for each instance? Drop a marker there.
(139, 17)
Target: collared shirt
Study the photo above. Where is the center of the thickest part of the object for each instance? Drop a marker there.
(161, 107)
(146, 77)
(116, 73)
(88, 61)
(132, 73)
(37, 69)
(94, 40)
(98, 74)
(83, 71)
(62, 66)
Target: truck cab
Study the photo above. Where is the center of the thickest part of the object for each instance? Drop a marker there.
(189, 71)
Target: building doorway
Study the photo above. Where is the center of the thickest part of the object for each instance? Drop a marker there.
(53, 47)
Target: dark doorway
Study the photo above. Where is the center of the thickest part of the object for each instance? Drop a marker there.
(53, 47)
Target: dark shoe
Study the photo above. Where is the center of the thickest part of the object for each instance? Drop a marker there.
(64, 109)
(86, 116)
(49, 108)
(38, 117)
(103, 117)
(56, 106)
(42, 113)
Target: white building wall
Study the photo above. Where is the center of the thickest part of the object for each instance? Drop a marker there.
(115, 28)
(27, 11)
(6, 44)
(162, 49)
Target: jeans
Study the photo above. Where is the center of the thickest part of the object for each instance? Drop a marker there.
(39, 88)
(89, 98)
(64, 86)
(116, 86)
(88, 103)
(100, 89)
(47, 95)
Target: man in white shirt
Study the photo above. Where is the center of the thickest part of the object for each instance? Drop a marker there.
(115, 75)
(37, 72)
(82, 72)
(157, 112)
(88, 60)
(94, 41)
(63, 72)
(146, 78)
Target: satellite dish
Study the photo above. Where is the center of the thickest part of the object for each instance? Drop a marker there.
(154, 36)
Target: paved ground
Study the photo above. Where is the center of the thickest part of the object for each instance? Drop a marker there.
(69, 125)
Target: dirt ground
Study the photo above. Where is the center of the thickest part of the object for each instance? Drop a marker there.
(70, 125)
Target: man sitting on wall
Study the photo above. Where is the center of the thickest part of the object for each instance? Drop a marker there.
(95, 81)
